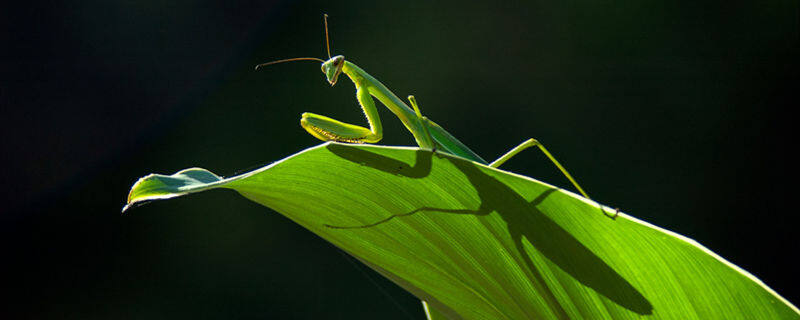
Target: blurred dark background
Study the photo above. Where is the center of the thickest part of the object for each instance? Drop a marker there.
(672, 111)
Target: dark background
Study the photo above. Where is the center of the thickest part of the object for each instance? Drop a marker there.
(672, 111)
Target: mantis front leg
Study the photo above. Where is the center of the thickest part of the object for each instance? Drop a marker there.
(325, 128)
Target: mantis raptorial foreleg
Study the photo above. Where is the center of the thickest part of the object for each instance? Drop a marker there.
(325, 128)
(534, 143)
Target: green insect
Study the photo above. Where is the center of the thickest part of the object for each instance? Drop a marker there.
(427, 133)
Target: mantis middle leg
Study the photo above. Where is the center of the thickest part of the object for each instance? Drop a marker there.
(424, 121)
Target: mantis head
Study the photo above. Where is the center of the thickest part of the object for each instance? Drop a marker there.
(333, 68)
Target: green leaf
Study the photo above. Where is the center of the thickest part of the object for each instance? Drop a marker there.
(475, 242)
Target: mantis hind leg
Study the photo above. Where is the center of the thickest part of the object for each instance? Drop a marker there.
(325, 128)
(534, 143)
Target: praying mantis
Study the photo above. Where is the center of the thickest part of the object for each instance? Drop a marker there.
(427, 133)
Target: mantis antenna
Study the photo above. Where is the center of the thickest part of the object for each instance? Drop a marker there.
(288, 60)
(327, 40)
(327, 47)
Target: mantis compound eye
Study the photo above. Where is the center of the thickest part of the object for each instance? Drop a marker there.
(337, 60)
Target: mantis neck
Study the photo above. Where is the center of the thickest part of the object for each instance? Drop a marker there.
(443, 139)
(362, 79)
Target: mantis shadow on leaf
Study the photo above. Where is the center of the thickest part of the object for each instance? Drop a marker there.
(420, 169)
(522, 218)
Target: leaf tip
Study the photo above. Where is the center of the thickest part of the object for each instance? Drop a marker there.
(159, 186)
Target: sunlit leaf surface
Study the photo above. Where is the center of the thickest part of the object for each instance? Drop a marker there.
(481, 243)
